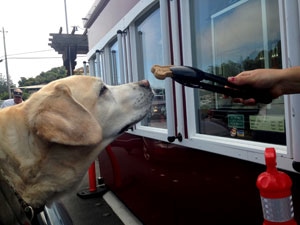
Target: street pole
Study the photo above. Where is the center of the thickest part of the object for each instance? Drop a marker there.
(6, 64)
(67, 29)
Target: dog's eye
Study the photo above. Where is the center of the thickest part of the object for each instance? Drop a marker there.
(103, 90)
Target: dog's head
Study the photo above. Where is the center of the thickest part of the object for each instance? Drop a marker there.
(82, 110)
(50, 140)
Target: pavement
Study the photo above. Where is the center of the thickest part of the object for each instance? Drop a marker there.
(74, 210)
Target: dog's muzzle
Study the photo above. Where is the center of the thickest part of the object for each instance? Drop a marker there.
(144, 83)
(144, 101)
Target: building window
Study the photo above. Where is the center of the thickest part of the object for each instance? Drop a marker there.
(150, 53)
(99, 64)
(115, 64)
(230, 37)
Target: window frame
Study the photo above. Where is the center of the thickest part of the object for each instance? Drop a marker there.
(184, 96)
(242, 149)
(146, 131)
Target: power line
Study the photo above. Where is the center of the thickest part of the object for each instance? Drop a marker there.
(46, 57)
(42, 57)
(23, 53)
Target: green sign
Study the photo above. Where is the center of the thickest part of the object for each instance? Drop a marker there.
(267, 123)
(236, 121)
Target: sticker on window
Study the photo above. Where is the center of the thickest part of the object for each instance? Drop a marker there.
(236, 121)
(267, 123)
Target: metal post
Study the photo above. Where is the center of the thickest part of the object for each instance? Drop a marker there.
(67, 29)
(66, 16)
(98, 71)
(84, 68)
(6, 64)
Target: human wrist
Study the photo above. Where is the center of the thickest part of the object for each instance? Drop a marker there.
(289, 80)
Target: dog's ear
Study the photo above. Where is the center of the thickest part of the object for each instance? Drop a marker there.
(61, 119)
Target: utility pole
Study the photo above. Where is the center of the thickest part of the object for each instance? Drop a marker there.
(67, 29)
(6, 64)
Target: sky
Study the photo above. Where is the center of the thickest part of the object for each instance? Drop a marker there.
(27, 26)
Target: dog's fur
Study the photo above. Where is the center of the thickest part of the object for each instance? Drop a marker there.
(48, 142)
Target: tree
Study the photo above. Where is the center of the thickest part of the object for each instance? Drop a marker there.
(44, 77)
(3, 87)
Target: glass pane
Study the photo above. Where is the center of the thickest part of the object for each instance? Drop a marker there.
(230, 37)
(115, 65)
(149, 36)
(99, 66)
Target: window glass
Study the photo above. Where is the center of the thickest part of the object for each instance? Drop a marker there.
(230, 37)
(99, 66)
(115, 64)
(150, 53)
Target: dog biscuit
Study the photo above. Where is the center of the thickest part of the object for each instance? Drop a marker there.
(161, 72)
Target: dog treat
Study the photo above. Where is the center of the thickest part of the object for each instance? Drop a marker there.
(161, 72)
(196, 78)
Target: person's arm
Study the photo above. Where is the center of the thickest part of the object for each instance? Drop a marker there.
(3, 105)
(290, 82)
(7, 103)
(275, 81)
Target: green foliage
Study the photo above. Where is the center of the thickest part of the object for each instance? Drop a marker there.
(3, 88)
(43, 78)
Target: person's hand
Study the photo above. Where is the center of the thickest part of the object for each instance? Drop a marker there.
(262, 79)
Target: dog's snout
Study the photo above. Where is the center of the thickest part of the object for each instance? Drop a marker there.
(144, 83)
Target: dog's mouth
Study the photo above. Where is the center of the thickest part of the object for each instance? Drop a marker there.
(128, 126)
(125, 128)
(146, 106)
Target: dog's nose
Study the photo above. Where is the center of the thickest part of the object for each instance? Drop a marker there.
(144, 83)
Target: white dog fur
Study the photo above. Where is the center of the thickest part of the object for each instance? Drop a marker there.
(49, 141)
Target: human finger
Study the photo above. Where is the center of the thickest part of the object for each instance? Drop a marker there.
(250, 101)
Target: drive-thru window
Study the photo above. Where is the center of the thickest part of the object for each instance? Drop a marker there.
(219, 37)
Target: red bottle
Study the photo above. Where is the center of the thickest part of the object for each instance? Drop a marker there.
(275, 191)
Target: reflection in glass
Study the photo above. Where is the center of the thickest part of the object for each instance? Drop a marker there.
(230, 37)
(115, 65)
(99, 64)
(150, 52)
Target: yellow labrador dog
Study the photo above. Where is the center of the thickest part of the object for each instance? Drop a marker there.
(48, 142)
